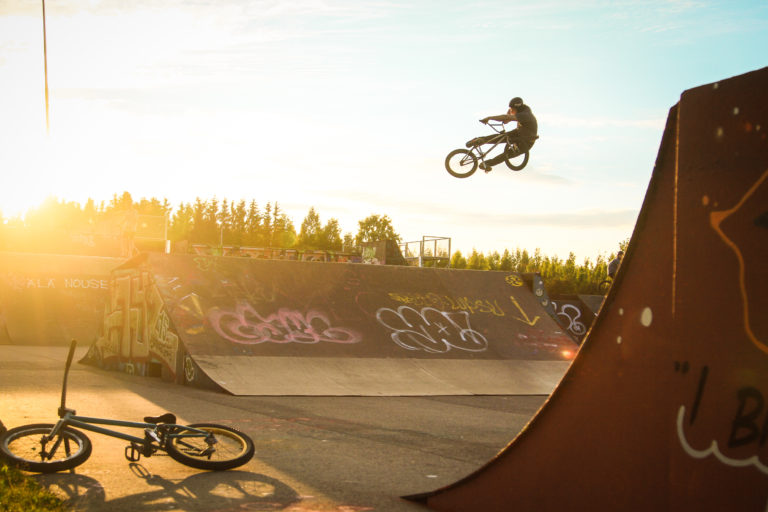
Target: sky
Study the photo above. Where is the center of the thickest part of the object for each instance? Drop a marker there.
(350, 106)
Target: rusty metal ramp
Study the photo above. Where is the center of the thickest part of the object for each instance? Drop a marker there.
(270, 327)
(666, 405)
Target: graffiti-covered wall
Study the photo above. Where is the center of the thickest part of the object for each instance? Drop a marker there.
(137, 335)
(187, 317)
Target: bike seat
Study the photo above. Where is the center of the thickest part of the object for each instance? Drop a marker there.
(165, 418)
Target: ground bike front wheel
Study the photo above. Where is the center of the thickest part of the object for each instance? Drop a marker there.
(517, 163)
(231, 449)
(29, 448)
(461, 163)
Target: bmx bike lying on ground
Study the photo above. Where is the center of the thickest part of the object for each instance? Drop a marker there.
(462, 163)
(48, 448)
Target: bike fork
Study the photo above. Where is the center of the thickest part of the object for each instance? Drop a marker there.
(54, 434)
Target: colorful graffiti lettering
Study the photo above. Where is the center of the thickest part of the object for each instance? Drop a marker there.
(431, 330)
(136, 325)
(445, 302)
(246, 326)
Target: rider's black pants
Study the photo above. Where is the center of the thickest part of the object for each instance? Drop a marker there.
(518, 146)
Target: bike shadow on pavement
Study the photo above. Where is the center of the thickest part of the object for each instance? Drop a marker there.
(222, 490)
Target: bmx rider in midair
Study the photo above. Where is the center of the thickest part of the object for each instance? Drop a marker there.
(521, 138)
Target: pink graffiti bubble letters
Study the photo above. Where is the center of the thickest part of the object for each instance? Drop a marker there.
(246, 326)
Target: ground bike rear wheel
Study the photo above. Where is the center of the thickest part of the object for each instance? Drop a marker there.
(517, 163)
(22, 446)
(461, 163)
(232, 448)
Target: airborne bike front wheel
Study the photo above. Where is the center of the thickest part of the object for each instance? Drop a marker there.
(516, 163)
(229, 448)
(31, 448)
(461, 163)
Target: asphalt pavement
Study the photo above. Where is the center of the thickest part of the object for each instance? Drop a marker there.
(343, 454)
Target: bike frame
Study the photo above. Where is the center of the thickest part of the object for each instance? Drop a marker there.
(501, 139)
(89, 423)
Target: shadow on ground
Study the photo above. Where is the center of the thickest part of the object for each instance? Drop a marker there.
(226, 490)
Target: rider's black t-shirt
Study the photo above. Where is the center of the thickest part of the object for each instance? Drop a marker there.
(527, 126)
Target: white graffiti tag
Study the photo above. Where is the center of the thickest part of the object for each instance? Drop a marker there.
(431, 330)
(570, 315)
(246, 326)
(713, 449)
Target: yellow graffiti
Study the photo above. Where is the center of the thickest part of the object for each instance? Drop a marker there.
(446, 302)
(526, 319)
(514, 280)
(716, 218)
(191, 304)
(136, 325)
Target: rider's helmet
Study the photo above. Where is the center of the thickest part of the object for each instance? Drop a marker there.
(516, 102)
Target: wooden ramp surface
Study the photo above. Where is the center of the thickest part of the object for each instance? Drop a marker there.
(666, 405)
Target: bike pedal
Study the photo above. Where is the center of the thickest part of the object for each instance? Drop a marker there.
(133, 452)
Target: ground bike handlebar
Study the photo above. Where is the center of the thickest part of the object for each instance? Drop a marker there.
(63, 407)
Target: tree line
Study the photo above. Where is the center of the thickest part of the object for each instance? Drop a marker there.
(54, 225)
(59, 226)
(561, 277)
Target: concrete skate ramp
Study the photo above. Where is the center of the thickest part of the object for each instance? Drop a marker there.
(270, 327)
(666, 405)
(48, 299)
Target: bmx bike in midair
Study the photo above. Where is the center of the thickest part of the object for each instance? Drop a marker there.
(462, 163)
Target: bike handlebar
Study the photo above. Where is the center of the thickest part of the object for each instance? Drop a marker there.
(71, 354)
(495, 125)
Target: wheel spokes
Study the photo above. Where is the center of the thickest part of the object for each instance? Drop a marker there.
(225, 447)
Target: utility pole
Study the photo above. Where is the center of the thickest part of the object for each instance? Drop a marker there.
(45, 60)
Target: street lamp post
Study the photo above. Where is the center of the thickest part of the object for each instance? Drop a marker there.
(45, 61)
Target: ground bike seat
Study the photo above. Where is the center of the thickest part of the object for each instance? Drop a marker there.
(168, 418)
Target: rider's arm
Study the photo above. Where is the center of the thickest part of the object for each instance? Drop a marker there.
(504, 118)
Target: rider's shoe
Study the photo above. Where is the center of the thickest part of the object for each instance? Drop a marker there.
(484, 166)
(472, 143)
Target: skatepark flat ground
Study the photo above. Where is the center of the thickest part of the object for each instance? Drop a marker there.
(312, 453)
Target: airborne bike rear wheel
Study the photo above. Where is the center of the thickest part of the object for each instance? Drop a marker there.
(517, 163)
(461, 163)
